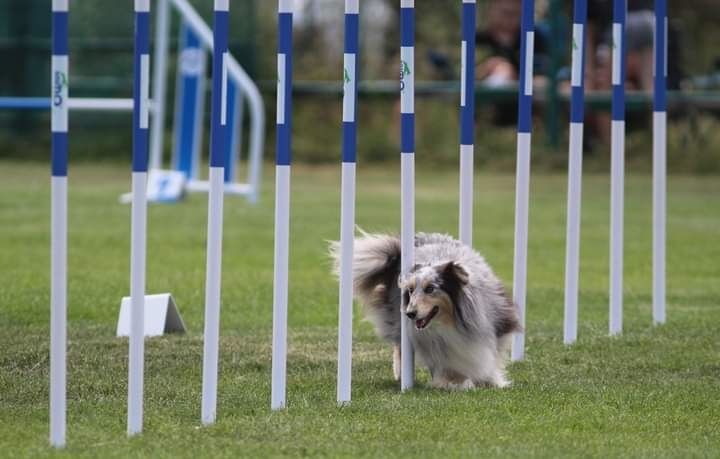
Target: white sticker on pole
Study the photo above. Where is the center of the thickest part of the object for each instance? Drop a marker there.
(616, 53)
(407, 79)
(281, 89)
(59, 91)
(463, 66)
(59, 5)
(529, 54)
(349, 84)
(142, 6)
(352, 6)
(665, 51)
(577, 54)
(144, 90)
(223, 101)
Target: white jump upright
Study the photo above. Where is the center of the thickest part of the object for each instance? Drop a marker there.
(577, 108)
(659, 160)
(407, 177)
(138, 231)
(347, 205)
(617, 166)
(282, 204)
(215, 211)
(467, 119)
(522, 181)
(58, 240)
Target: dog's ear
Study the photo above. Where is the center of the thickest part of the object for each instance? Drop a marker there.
(453, 279)
(452, 273)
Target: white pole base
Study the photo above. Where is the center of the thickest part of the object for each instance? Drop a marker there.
(212, 296)
(572, 252)
(280, 290)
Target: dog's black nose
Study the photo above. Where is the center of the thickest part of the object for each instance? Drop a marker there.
(411, 315)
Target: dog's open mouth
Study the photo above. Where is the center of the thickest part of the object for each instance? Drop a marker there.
(422, 323)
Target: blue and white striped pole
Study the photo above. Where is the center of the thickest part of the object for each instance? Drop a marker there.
(659, 160)
(347, 205)
(138, 231)
(617, 166)
(215, 210)
(58, 242)
(577, 107)
(522, 181)
(407, 177)
(467, 120)
(282, 204)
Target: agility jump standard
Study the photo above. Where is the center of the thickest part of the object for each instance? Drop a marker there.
(617, 166)
(467, 119)
(577, 108)
(407, 178)
(659, 160)
(522, 181)
(58, 250)
(347, 205)
(138, 225)
(215, 211)
(282, 204)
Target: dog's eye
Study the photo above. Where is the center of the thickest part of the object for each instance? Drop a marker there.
(429, 290)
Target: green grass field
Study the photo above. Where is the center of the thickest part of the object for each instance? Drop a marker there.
(654, 392)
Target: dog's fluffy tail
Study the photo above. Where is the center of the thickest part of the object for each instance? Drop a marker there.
(376, 260)
(375, 271)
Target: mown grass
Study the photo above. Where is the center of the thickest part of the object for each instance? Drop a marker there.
(651, 393)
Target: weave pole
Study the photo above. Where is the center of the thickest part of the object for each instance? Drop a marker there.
(659, 160)
(407, 177)
(347, 205)
(572, 250)
(522, 180)
(282, 204)
(617, 166)
(467, 120)
(215, 211)
(58, 217)
(138, 230)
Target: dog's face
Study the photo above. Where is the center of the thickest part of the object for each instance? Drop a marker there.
(431, 292)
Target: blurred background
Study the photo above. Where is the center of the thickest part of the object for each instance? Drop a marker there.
(101, 44)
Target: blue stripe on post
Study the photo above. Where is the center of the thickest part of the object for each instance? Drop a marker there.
(407, 26)
(525, 114)
(283, 145)
(140, 135)
(352, 27)
(217, 129)
(285, 39)
(407, 130)
(525, 100)
(577, 104)
(60, 33)
(283, 155)
(349, 142)
(660, 80)
(577, 93)
(618, 102)
(618, 89)
(580, 12)
(143, 32)
(467, 113)
(59, 154)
